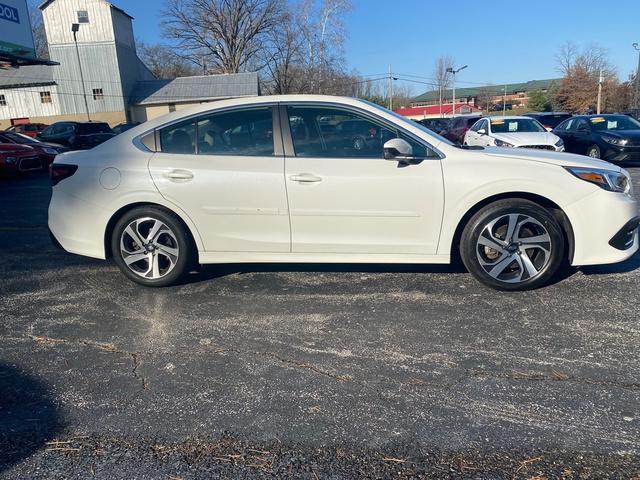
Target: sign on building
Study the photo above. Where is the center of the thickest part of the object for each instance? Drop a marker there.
(16, 37)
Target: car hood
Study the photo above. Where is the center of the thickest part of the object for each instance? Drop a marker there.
(561, 159)
(629, 134)
(14, 148)
(527, 138)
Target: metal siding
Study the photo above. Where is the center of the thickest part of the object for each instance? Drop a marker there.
(100, 69)
(25, 102)
(59, 15)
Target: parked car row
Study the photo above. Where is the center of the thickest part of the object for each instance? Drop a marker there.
(33, 146)
(612, 137)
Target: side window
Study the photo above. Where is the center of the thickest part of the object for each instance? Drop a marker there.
(179, 138)
(476, 126)
(582, 124)
(570, 124)
(245, 132)
(331, 132)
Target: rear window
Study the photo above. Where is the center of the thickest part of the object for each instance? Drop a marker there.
(89, 128)
(552, 121)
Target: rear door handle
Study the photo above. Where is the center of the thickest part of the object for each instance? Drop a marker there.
(178, 175)
(305, 178)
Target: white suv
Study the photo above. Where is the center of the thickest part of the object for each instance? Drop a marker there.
(517, 132)
(280, 179)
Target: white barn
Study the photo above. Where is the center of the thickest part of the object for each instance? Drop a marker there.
(118, 87)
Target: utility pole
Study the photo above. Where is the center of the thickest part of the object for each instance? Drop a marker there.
(390, 89)
(453, 72)
(504, 101)
(74, 28)
(599, 92)
(636, 93)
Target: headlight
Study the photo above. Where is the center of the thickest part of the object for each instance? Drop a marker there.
(500, 143)
(11, 160)
(50, 151)
(606, 179)
(615, 141)
(559, 143)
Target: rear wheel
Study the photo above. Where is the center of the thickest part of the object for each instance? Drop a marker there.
(151, 246)
(512, 244)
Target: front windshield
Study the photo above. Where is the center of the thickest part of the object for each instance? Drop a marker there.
(405, 120)
(516, 125)
(614, 122)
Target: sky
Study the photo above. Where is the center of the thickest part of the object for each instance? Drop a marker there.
(501, 41)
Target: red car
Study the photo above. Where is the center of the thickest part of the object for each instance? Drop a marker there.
(458, 126)
(28, 129)
(46, 151)
(18, 159)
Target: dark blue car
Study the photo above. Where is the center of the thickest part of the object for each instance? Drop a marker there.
(615, 138)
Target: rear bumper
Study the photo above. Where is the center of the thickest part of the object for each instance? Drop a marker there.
(598, 222)
(76, 225)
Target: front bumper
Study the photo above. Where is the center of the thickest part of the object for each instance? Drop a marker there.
(596, 220)
(621, 154)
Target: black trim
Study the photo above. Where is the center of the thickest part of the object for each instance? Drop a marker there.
(287, 139)
(54, 240)
(621, 239)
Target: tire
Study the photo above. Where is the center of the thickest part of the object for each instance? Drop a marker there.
(593, 151)
(519, 262)
(158, 240)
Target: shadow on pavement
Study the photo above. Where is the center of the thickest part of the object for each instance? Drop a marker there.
(28, 416)
(628, 266)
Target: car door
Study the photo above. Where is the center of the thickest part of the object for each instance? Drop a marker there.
(345, 197)
(471, 137)
(582, 136)
(225, 170)
(566, 133)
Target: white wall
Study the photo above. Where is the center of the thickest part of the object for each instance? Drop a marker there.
(25, 102)
(60, 14)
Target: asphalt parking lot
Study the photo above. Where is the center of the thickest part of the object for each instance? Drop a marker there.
(308, 371)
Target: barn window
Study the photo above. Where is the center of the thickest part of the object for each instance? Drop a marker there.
(45, 97)
(83, 16)
(172, 107)
(97, 94)
(3, 101)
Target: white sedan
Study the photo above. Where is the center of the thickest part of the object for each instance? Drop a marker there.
(517, 132)
(330, 179)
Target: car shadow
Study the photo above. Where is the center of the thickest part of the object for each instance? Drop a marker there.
(28, 415)
(209, 272)
(625, 267)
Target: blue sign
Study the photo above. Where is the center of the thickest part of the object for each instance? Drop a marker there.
(9, 13)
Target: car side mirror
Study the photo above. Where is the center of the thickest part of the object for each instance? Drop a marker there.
(482, 131)
(400, 151)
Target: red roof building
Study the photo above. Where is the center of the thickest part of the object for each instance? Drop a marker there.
(435, 111)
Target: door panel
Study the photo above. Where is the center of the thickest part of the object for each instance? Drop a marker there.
(230, 181)
(344, 197)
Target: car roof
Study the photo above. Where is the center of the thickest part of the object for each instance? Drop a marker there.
(507, 117)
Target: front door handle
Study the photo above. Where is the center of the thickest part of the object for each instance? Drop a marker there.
(179, 175)
(305, 178)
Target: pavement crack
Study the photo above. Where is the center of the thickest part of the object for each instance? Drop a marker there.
(105, 347)
(288, 361)
(136, 363)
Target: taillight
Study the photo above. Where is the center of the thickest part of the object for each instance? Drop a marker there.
(60, 171)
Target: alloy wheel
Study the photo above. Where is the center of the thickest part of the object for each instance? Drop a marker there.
(149, 248)
(514, 248)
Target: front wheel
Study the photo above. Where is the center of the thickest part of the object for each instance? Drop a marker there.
(512, 244)
(593, 152)
(151, 246)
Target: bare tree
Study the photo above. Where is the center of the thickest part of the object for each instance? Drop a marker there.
(582, 68)
(225, 35)
(39, 34)
(164, 62)
(442, 78)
